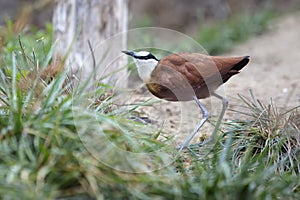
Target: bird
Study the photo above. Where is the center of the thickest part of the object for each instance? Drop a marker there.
(187, 76)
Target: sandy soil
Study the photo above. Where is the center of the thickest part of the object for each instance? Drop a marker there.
(273, 73)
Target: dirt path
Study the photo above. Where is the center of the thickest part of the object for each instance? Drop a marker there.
(274, 72)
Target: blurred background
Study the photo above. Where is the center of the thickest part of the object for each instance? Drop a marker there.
(200, 19)
(186, 16)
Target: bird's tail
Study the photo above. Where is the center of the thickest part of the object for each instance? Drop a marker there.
(241, 64)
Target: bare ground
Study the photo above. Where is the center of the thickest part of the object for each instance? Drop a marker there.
(273, 73)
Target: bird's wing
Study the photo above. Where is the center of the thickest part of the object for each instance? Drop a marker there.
(182, 69)
(199, 69)
(193, 72)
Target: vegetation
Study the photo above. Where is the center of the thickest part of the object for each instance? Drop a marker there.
(221, 36)
(44, 156)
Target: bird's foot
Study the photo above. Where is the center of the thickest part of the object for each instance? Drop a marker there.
(191, 147)
(201, 143)
(181, 147)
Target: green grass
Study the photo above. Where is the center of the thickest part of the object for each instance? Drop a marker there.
(221, 36)
(42, 156)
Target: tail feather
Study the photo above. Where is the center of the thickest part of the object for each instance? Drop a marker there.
(241, 64)
(235, 69)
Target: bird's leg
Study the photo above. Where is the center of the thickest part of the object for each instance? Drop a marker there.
(217, 126)
(204, 119)
(224, 107)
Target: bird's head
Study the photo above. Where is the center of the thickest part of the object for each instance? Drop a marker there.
(145, 62)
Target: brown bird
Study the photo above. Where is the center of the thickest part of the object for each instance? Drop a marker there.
(187, 76)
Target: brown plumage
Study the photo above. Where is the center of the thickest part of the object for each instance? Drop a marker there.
(188, 76)
(176, 75)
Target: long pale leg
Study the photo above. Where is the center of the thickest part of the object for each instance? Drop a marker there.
(217, 126)
(185, 144)
(224, 107)
(204, 119)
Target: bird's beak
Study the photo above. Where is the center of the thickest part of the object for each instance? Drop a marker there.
(130, 53)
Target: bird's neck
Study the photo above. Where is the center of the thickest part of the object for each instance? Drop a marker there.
(145, 68)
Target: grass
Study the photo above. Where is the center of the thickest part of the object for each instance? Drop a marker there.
(221, 36)
(43, 154)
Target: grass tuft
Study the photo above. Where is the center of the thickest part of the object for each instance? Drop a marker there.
(270, 133)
